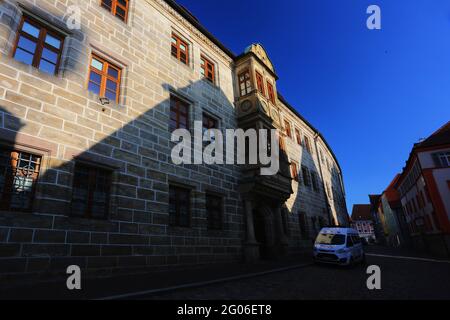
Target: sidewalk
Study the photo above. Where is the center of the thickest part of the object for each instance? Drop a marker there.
(406, 252)
(128, 285)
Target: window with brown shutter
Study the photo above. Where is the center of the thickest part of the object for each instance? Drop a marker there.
(208, 70)
(179, 114)
(38, 46)
(19, 172)
(179, 206)
(245, 83)
(180, 49)
(214, 209)
(90, 192)
(271, 92)
(260, 83)
(118, 8)
(104, 78)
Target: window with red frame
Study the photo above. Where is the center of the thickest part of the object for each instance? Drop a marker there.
(298, 136)
(208, 70)
(38, 46)
(260, 83)
(91, 192)
(307, 144)
(287, 126)
(180, 49)
(118, 8)
(294, 171)
(104, 78)
(179, 114)
(271, 92)
(209, 123)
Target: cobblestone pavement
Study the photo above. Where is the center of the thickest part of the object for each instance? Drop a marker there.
(401, 279)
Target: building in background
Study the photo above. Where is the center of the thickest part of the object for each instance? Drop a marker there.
(377, 224)
(424, 188)
(393, 218)
(86, 118)
(363, 222)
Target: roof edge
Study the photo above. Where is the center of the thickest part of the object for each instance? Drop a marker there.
(192, 20)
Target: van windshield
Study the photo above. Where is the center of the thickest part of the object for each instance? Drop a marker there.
(330, 239)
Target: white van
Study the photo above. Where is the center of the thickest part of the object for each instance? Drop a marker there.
(338, 245)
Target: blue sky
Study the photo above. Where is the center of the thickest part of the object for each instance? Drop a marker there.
(371, 93)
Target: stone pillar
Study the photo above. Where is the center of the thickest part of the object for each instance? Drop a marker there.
(251, 246)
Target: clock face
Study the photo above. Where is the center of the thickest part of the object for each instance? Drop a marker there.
(246, 106)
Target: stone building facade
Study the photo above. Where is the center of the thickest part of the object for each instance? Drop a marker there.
(86, 115)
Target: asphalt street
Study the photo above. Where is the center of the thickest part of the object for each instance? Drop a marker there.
(402, 277)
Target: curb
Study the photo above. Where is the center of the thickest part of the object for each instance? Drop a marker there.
(202, 284)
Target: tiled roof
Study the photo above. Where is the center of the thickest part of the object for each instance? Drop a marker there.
(361, 212)
(441, 136)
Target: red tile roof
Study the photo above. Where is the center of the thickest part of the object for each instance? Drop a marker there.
(361, 212)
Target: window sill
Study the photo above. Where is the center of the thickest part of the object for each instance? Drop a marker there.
(96, 98)
(212, 85)
(187, 66)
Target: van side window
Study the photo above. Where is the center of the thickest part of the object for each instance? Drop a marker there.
(349, 241)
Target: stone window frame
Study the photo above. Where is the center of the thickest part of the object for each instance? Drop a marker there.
(49, 22)
(287, 128)
(298, 136)
(187, 115)
(222, 198)
(186, 99)
(96, 50)
(44, 154)
(114, 5)
(45, 29)
(94, 166)
(295, 171)
(192, 190)
(105, 77)
(247, 89)
(260, 83)
(271, 92)
(208, 61)
(189, 47)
